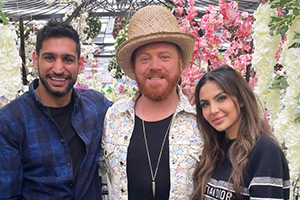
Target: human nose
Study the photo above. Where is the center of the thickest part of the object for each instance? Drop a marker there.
(154, 64)
(58, 66)
(214, 109)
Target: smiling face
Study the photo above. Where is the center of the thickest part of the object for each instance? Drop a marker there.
(219, 109)
(157, 70)
(58, 66)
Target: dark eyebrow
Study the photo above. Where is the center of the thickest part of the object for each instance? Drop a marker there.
(47, 53)
(219, 94)
(69, 55)
(215, 97)
(64, 55)
(203, 101)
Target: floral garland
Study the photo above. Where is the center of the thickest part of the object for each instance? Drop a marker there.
(10, 62)
(285, 123)
(113, 67)
(263, 57)
(119, 24)
(283, 100)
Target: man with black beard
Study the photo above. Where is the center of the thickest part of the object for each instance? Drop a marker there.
(151, 142)
(50, 136)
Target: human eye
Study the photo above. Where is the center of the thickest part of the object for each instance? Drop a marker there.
(221, 98)
(165, 57)
(48, 58)
(69, 59)
(144, 59)
(203, 104)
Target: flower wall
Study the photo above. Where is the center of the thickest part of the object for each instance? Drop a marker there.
(277, 42)
(223, 37)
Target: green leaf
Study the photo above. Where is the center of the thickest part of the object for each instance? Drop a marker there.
(284, 30)
(296, 36)
(275, 19)
(109, 90)
(282, 3)
(3, 18)
(279, 29)
(297, 120)
(284, 83)
(2, 5)
(275, 87)
(295, 45)
(274, 6)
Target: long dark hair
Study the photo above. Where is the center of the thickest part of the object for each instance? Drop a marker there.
(252, 125)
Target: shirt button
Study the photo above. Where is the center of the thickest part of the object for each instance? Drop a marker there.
(121, 163)
(71, 185)
(126, 137)
(122, 190)
(62, 140)
(68, 164)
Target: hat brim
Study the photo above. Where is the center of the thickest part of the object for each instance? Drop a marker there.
(124, 52)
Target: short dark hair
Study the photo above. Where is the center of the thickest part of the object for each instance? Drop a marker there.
(57, 30)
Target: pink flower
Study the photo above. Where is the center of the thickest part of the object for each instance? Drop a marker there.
(191, 14)
(81, 86)
(179, 11)
(235, 28)
(280, 12)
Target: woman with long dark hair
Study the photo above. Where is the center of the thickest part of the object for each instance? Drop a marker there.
(241, 158)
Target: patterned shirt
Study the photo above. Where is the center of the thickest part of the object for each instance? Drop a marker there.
(35, 161)
(185, 146)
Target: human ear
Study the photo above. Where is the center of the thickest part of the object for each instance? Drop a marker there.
(80, 65)
(35, 59)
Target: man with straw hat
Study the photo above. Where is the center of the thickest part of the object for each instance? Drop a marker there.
(151, 142)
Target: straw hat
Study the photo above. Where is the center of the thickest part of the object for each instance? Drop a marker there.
(153, 24)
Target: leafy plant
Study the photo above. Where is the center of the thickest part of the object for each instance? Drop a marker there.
(94, 27)
(3, 15)
(114, 69)
(289, 10)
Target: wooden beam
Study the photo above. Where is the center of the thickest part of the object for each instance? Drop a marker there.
(22, 52)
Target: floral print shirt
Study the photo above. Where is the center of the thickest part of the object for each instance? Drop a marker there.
(185, 146)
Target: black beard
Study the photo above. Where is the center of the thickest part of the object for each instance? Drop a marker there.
(57, 93)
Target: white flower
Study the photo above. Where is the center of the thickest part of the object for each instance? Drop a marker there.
(281, 104)
(10, 63)
(265, 49)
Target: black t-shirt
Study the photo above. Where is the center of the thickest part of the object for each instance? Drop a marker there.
(62, 118)
(138, 171)
(266, 175)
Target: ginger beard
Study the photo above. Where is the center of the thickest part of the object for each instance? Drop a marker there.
(158, 92)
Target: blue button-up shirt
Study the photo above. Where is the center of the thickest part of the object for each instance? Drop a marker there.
(35, 161)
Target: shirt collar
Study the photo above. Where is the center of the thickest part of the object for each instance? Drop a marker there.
(183, 105)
